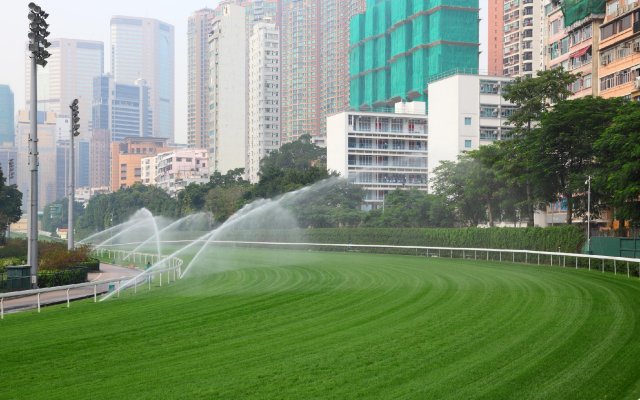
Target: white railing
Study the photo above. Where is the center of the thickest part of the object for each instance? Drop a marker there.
(171, 266)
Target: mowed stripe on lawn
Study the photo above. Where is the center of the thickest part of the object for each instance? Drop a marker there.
(263, 323)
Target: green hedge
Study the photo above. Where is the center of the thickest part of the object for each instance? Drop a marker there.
(565, 238)
(92, 265)
(49, 278)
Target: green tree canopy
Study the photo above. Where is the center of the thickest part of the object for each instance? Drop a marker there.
(10, 202)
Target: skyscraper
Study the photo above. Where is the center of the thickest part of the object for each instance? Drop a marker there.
(227, 90)
(124, 110)
(264, 95)
(7, 127)
(522, 37)
(495, 36)
(395, 51)
(198, 104)
(68, 75)
(143, 48)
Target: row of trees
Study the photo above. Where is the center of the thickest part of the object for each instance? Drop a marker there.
(558, 144)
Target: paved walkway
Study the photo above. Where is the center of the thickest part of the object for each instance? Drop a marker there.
(107, 272)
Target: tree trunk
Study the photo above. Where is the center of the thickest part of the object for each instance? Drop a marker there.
(530, 221)
(569, 198)
(490, 214)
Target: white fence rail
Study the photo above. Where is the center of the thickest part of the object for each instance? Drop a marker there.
(169, 266)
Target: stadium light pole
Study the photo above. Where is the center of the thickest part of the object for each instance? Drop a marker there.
(38, 45)
(74, 131)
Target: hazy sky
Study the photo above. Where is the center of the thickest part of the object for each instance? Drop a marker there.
(89, 19)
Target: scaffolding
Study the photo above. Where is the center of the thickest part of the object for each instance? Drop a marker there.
(577, 10)
(397, 45)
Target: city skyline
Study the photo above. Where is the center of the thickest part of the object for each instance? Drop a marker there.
(68, 20)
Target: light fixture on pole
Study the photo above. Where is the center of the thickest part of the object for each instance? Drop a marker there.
(38, 45)
(75, 131)
(588, 182)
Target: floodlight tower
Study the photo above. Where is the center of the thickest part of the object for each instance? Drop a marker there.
(75, 131)
(38, 45)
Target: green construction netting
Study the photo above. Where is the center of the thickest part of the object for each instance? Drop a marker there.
(396, 47)
(576, 10)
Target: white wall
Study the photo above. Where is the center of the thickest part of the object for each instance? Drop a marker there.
(337, 143)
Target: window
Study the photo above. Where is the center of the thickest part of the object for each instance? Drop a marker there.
(467, 143)
(467, 120)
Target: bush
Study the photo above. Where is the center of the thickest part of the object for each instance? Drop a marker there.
(50, 278)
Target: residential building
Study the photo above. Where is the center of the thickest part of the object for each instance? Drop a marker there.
(523, 37)
(198, 90)
(495, 36)
(126, 157)
(227, 91)
(69, 75)
(380, 151)
(149, 170)
(84, 194)
(619, 51)
(7, 111)
(122, 109)
(47, 158)
(177, 169)
(264, 95)
(144, 48)
(466, 112)
(555, 37)
(396, 51)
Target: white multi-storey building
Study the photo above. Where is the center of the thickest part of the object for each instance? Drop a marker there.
(465, 112)
(523, 37)
(381, 151)
(264, 95)
(174, 170)
(143, 48)
(227, 91)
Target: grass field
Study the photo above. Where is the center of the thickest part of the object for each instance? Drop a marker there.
(306, 325)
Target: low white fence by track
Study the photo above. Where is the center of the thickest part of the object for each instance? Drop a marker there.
(169, 266)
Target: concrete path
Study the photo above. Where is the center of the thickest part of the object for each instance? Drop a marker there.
(107, 271)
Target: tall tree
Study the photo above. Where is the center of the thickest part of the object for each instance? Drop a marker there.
(10, 202)
(55, 215)
(533, 96)
(618, 155)
(566, 140)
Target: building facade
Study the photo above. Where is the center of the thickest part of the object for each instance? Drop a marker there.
(198, 90)
(144, 48)
(7, 112)
(495, 36)
(69, 75)
(227, 91)
(264, 95)
(122, 109)
(396, 51)
(381, 152)
(619, 51)
(126, 159)
(466, 112)
(174, 170)
(523, 37)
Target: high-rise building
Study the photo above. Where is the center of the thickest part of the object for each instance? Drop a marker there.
(523, 37)
(100, 158)
(47, 158)
(396, 51)
(619, 51)
(299, 22)
(227, 91)
(334, 56)
(264, 95)
(144, 48)
(68, 75)
(126, 159)
(7, 111)
(8, 164)
(123, 109)
(198, 104)
(495, 36)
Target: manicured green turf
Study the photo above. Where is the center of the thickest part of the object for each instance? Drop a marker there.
(306, 325)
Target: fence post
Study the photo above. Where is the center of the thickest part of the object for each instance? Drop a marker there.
(160, 278)
(2, 308)
(68, 305)
(603, 265)
(118, 289)
(135, 285)
(615, 268)
(95, 293)
(514, 257)
(628, 269)
(38, 301)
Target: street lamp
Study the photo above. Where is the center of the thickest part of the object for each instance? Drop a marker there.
(38, 45)
(588, 182)
(75, 131)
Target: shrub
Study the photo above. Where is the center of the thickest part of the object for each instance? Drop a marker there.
(50, 278)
